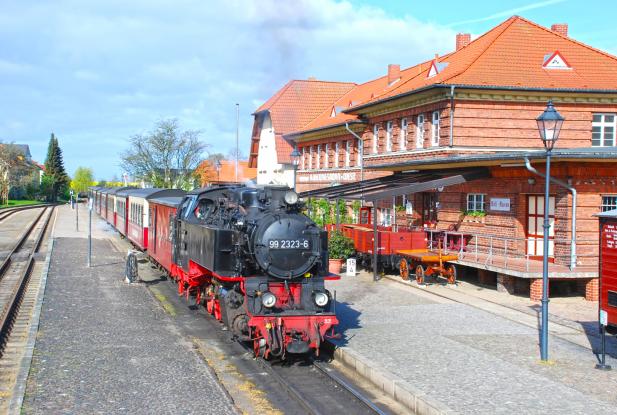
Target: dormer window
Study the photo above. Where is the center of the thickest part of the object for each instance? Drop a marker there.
(436, 68)
(555, 61)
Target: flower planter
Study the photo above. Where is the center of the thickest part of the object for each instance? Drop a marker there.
(335, 265)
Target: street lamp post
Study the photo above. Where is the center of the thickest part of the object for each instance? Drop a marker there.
(295, 160)
(549, 125)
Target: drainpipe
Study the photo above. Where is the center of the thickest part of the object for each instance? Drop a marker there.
(452, 115)
(573, 191)
(360, 154)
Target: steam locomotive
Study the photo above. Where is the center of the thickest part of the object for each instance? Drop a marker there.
(251, 257)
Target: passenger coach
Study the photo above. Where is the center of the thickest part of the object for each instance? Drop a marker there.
(139, 215)
(162, 210)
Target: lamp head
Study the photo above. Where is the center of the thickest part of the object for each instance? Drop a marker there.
(549, 125)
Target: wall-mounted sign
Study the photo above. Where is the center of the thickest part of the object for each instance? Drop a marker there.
(327, 177)
(351, 267)
(500, 204)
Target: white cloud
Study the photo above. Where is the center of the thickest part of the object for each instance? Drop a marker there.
(136, 62)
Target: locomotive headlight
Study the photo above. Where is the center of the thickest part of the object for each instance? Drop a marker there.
(321, 299)
(291, 197)
(268, 299)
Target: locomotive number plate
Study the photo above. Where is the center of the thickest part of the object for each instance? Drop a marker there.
(289, 244)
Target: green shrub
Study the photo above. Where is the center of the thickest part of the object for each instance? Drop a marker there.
(340, 246)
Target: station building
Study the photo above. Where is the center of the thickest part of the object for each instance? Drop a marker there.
(475, 109)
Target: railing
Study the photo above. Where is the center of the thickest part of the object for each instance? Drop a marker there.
(506, 251)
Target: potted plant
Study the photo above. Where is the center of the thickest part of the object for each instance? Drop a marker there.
(340, 247)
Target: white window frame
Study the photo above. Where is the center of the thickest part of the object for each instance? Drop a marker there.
(337, 150)
(475, 202)
(347, 153)
(600, 127)
(420, 131)
(303, 158)
(310, 158)
(609, 202)
(403, 135)
(359, 152)
(435, 119)
(375, 138)
(386, 217)
(318, 156)
(389, 136)
(326, 158)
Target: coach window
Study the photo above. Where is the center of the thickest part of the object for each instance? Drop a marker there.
(403, 135)
(603, 130)
(475, 202)
(420, 131)
(435, 129)
(375, 138)
(609, 202)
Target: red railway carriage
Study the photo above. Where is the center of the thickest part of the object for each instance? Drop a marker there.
(139, 213)
(121, 205)
(160, 243)
(608, 268)
(104, 203)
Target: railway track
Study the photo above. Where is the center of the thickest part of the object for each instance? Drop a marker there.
(16, 270)
(296, 387)
(5, 213)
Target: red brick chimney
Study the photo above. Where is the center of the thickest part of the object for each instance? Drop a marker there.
(394, 72)
(462, 40)
(561, 28)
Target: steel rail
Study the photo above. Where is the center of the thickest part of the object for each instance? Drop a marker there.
(345, 385)
(7, 261)
(5, 213)
(297, 395)
(12, 307)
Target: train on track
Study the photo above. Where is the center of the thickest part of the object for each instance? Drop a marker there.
(248, 254)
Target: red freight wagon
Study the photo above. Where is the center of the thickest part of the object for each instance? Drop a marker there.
(608, 268)
(162, 211)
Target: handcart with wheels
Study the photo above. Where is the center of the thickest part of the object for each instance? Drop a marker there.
(427, 263)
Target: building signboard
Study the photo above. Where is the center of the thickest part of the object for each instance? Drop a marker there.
(500, 204)
(327, 177)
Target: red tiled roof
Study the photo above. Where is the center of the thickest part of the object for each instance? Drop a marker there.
(227, 172)
(297, 104)
(512, 55)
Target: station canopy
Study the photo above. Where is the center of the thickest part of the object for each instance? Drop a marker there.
(398, 184)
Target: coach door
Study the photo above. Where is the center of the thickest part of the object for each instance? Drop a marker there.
(535, 229)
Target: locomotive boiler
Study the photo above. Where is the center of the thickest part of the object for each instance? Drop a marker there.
(257, 263)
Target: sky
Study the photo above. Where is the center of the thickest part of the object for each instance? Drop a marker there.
(98, 72)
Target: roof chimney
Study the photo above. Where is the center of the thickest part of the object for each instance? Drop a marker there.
(462, 40)
(312, 78)
(561, 28)
(394, 73)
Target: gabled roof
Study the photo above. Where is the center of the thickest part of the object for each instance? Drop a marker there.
(295, 105)
(512, 55)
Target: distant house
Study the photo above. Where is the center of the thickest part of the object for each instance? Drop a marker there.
(209, 173)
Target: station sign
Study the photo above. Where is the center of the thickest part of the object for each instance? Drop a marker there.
(327, 177)
(500, 204)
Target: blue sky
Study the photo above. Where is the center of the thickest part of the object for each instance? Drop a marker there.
(96, 73)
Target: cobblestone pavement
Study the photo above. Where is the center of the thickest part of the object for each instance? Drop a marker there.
(468, 359)
(107, 347)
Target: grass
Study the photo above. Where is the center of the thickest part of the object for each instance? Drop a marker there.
(13, 203)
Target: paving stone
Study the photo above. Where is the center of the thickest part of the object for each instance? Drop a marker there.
(468, 359)
(106, 347)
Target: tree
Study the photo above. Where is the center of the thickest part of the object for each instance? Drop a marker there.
(57, 180)
(165, 157)
(13, 169)
(82, 179)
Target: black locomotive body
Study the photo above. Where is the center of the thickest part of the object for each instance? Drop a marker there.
(258, 263)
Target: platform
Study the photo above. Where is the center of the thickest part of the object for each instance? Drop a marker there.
(105, 346)
(444, 350)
